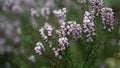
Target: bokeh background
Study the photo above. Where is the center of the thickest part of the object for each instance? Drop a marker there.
(19, 34)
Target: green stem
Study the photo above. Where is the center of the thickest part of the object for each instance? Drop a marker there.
(87, 58)
(70, 61)
(50, 58)
(96, 50)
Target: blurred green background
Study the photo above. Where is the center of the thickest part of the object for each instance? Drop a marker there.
(18, 36)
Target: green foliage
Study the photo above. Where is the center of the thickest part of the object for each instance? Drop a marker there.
(80, 55)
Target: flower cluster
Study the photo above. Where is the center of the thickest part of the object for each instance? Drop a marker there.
(119, 43)
(56, 52)
(62, 30)
(89, 26)
(31, 58)
(9, 31)
(42, 33)
(74, 29)
(49, 29)
(12, 6)
(63, 43)
(45, 12)
(33, 12)
(39, 47)
(97, 5)
(107, 16)
(60, 14)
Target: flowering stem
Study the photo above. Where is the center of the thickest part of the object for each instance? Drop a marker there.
(70, 61)
(50, 58)
(90, 55)
(87, 58)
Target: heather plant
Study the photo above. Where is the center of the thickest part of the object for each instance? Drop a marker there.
(57, 40)
(59, 34)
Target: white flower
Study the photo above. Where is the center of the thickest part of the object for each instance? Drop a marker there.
(45, 12)
(119, 43)
(60, 14)
(56, 53)
(49, 29)
(107, 16)
(60, 57)
(97, 5)
(89, 26)
(31, 58)
(33, 12)
(43, 34)
(63, 42)
(74, 29)
(62, 30)
(39, 47)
